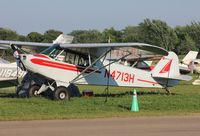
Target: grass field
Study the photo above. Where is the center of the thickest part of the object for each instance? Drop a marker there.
(184, 100)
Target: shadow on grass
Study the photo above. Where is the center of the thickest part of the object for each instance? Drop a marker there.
(8, 95)
(13, 95)
(127, 93)
(125, 107)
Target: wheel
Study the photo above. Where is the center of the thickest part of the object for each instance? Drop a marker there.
(61, 93)
(33, 90)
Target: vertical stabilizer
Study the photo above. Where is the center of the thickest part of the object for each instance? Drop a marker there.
(167, 67)
(189, 57)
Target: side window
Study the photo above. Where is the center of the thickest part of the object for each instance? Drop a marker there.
(61, 57)
(70, 58)
(83, 61)
(76, 59)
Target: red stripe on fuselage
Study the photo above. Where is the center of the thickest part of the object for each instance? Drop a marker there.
(60, 65)
(151, 82)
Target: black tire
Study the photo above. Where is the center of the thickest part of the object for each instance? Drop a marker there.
(32, 90)
(61, 93)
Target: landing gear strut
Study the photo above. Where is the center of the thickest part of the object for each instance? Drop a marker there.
(167, 90)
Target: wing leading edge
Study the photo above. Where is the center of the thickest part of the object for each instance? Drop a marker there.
(142, 46)
(19, 43)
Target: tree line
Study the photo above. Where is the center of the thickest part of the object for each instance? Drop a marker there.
(180, 39)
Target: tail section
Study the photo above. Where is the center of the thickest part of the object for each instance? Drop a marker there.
(189, 57)
(168, 68)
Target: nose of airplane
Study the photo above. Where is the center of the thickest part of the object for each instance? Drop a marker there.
(23, 57)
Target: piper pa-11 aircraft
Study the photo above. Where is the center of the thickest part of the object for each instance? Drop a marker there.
(61, 65)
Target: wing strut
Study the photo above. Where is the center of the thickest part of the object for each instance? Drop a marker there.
(108, 82)
(103, 55)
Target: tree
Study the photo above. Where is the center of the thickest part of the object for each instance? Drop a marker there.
(7, 34)
(158, 33)
(35, 37)
(130, 34)
(193, 31)
(87, 36)
(22, 38)
(112, 35)
(186, 43)
(51, 35)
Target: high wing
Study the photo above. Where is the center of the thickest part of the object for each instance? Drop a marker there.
(142, 46)
(4, 44)
(100, 47)
(61, 39)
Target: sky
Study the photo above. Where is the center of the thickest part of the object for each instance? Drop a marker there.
(25, 16)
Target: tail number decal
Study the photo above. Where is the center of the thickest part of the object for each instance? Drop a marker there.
(120, 76)
(7, 73)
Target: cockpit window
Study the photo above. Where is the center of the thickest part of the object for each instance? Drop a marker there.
(65, 55)
(52, 51)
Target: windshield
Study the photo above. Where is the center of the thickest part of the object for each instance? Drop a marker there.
(52, 51)
(66, 55)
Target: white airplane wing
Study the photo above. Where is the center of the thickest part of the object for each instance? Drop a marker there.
(18, 43)
(61, 39)
(142, 46)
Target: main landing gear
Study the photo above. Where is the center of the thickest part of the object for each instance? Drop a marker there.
(167, 90)
(34, 85)
(61, 93)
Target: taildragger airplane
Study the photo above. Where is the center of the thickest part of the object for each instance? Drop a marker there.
(61, 65)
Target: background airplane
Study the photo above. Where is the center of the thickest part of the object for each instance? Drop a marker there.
(196, 67)
(9, 72)
(186, 66)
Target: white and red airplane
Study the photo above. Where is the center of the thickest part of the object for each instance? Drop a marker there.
(61, 65)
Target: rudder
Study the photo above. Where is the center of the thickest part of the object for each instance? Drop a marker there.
(167, 67)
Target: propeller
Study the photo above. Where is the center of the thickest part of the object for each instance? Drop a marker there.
(20, 65)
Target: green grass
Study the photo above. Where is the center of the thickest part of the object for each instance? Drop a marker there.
(185, 100)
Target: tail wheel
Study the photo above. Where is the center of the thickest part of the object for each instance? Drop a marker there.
(61, 93)
(33, 90)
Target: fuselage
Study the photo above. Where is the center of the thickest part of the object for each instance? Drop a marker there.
(100, 74)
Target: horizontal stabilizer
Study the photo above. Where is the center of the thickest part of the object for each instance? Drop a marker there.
(181, 77)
